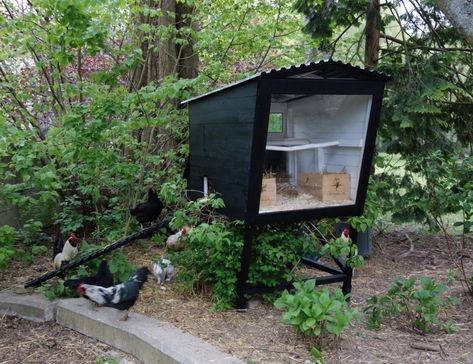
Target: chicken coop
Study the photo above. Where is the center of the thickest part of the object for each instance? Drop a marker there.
(285, 145)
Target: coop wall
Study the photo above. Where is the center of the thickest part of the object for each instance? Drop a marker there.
(220, 140)
(325, 118)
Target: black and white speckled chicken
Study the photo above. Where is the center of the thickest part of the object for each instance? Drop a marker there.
(121, 296)
(102, 278)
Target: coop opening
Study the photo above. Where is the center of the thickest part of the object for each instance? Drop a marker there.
(314, 151)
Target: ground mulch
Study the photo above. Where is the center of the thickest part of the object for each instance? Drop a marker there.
(23, 341)
(258, 335)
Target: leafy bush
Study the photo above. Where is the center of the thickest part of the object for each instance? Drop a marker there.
(7, 237)
(316, 312)
(345, 248)
(275, 251)
(212, 257)
(421, 306)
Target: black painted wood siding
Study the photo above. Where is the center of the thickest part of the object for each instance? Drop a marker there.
(220, 141)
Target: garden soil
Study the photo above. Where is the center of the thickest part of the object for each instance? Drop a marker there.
(257, 335)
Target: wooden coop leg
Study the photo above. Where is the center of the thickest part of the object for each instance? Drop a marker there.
(241, 287)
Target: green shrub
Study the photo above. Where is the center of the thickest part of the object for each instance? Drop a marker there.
(421, 306)
(7, 237)
(212, 257)
(344, 248)
(315, 312)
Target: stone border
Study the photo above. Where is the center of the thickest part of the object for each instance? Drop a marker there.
(149, 340)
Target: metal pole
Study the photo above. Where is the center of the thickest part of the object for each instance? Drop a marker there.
(145, 233)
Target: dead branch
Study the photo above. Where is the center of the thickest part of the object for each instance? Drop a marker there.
(406, 253)
(425, 347)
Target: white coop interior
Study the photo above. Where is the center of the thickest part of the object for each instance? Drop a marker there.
(314, 151)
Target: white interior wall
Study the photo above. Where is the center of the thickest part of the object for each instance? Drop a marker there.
(325, 118)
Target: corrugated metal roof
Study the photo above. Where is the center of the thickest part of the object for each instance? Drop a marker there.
(303, 68)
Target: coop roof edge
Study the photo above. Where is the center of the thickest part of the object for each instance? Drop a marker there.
(381, 75)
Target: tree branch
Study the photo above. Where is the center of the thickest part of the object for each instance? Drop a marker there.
(415, 46)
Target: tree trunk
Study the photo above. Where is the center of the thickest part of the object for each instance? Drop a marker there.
(460, 14)
(372, 35)
(167, 56)
(188, 60)
(163, 55)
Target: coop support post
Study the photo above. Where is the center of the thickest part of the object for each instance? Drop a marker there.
(346, 288)
(242, 284)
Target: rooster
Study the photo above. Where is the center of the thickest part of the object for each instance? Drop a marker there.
(121, 296)
(176, 241)
(102, 278)
(345, 235)
(68, 251)
(163, 270)
(149, 210)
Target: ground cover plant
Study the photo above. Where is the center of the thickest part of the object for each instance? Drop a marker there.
(423, 307)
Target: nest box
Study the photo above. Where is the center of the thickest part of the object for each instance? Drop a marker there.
(290, 144)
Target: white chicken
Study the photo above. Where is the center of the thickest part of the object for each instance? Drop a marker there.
(69, 251)
(346, 237)
(163, 270)
(345, 234)
(176, 241)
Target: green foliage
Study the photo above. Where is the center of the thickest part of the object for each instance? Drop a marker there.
(340, 247)
(431, 186)
(53, 290)
(32, 231)
(39, 249)
(317, 355)
(117, 262)
(421, 306)
(212, 256)
(76, 158)
(106, 359)
(7, 237)
(275, 251)
(425, 120)
(239, 38)
(315, 312)
(323, 18)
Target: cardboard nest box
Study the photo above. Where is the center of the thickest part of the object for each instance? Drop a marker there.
(325, 186)
(268, 192)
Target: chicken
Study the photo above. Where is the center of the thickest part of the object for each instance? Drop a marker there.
(69, 251)
(149, 210)
(345, 234)
(102, 278)
(58, 245)
(176, 241)
(346, 237)
(121, 296)
(163, 270)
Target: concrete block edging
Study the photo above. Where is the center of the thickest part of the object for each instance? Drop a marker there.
(147, 339)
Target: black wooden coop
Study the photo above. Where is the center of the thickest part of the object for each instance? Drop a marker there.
(286, 145)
